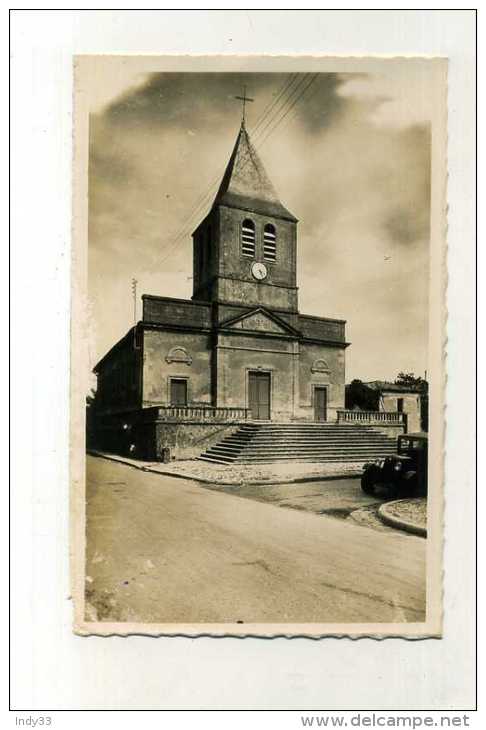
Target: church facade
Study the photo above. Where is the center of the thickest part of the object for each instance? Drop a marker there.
(240, 343)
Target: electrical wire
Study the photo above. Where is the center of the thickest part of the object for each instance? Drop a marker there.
(203, 200)
(286, 109)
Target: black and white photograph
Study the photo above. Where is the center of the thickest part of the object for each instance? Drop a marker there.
(257, 343)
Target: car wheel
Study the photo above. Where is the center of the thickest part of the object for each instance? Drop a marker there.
(367, 485)
(409, 484)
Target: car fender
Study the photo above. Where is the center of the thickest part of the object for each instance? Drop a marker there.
(371, 470)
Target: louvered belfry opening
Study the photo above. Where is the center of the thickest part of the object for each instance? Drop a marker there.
(248, 238)
(269, 242)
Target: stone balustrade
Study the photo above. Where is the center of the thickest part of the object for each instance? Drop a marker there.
(392, 418)
(201, 414)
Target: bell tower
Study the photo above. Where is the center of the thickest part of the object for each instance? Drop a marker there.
(244, 251)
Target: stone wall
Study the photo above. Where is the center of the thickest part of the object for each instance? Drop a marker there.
(238, 355)
(411, 406)
(169, 354)
(182, 312)
(235, 282)
(142, 435)
(321, 365)
(392, 432)
(295, 370)
(189, 440)
(119, 376)
(128, 434)
(321, 328)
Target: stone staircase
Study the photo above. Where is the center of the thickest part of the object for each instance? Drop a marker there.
(266, 443)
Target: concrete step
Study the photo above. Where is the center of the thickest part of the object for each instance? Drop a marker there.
(309, 426)
(268, 443)
(302, 442)
(293, 454)
(350, 455)
(290, 460)
(304, 445)
(273, 448)
(307, 445)
(223, 450)
(335, 433)
(312, 427)
(330, 456)
(214, 460)
(306, 459)
(301, 424)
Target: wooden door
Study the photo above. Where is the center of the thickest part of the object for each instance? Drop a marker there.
(320, 404)
(178, 392)
(259, 396)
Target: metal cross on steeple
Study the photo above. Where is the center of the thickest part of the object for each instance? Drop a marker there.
(244, 99)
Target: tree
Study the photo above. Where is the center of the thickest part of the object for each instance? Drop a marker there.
(408, 380)
(358, 395)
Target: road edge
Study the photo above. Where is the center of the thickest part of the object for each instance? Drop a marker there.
(143, 466)
(392, 521)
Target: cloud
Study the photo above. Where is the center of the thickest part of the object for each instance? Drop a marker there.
(357, 180)
(201, 99)
(400, 95)
(408, 194)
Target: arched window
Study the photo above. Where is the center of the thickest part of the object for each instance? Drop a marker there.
(269, 242)
(248, 238)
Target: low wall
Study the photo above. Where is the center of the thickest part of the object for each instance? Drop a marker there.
(142, 434)
(392, 431)
(189, 440)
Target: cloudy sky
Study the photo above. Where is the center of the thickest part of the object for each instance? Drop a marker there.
(349, 154)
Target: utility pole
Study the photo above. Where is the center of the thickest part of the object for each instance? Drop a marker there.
(134, 292)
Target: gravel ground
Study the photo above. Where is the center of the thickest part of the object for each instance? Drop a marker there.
(225, 474)
(248, 473)
(411, 510)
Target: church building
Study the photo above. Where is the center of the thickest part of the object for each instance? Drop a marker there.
(240, 343)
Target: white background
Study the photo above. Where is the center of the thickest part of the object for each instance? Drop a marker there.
(53, 669)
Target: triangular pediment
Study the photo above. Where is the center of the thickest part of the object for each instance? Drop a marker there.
(259, 320)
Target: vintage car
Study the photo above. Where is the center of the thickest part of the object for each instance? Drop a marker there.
(403, 474)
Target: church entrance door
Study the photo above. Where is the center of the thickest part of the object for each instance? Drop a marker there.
(320, 404)
(259, 395)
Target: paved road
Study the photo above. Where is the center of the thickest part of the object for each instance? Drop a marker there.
(168, 550)
(342, 498)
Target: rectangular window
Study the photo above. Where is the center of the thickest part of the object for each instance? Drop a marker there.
(400, 405)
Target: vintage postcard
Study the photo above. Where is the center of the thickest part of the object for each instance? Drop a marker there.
(258, 345)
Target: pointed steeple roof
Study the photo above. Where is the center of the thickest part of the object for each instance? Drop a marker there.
(245, 183)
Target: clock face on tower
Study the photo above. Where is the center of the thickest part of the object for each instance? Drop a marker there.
(259, 271)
